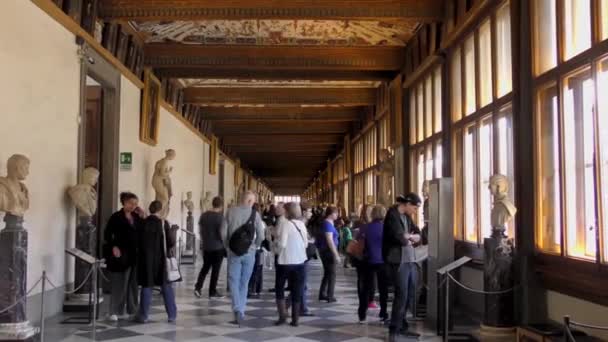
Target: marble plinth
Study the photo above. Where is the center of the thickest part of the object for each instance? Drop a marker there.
(190, 229)
(86, 241)
(498, 276)
(13, 281)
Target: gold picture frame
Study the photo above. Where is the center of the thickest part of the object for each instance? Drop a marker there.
(213, 153)
(150, 109)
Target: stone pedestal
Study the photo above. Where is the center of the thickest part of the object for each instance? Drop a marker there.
(499, 316)
(190, 229)
(14, 325)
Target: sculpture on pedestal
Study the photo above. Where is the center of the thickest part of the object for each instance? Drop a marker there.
(205, 202)
(189, 205)
(84, 198)
(498, 266)
(386, 172)
(14, 202)
(161, 182)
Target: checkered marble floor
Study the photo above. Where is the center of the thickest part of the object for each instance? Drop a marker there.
(207, 320)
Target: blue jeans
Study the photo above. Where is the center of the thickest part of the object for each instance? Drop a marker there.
(404, 277)
(239, 272)
(168, 298)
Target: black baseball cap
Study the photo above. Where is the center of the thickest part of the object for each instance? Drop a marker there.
(410, 198)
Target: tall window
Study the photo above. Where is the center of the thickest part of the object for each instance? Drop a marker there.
(426, 152)
(571, 133)
(481, 89)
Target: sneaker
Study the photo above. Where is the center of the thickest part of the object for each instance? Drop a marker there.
(362, 321)
(197, 293)
(332, 300)
(372, 305)
(171, 320)
(307, 314)
(217, 295)
(113, 318)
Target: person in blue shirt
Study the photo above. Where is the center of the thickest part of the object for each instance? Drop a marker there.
(327, 245)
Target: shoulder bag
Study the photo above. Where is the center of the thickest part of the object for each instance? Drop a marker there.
(311, 249)
(171, 264)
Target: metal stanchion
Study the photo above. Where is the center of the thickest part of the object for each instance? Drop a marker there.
(95, 297)
(446, 323)
(42, 306)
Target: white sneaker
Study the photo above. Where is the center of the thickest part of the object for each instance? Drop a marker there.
(113, 318)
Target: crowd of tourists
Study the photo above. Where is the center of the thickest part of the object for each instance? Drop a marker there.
(140, 251)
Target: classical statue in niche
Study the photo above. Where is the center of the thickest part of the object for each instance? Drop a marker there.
(14, 196)
(161, 181)
(386, 172)
(188, 204)
(84, 195)
(503, 209)
(206, 201)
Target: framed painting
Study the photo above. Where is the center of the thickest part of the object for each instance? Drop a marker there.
(149, 116)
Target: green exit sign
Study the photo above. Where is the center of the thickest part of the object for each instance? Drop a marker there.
(126, 161)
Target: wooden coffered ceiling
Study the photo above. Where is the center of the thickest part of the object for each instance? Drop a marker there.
(281, 82)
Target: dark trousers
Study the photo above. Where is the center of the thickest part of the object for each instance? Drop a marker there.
(124, 292)
(257, 277)
(404, 277)
(295, 275)
(328, 283)
(212, 260)
(366, 275)
(168, 298)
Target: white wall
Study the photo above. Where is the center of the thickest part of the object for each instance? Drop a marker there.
(579, 310)
(39, 118)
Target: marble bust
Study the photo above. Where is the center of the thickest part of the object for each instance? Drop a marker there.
(188, 204)
(14, 196)
(206, 201)
(503, 209)
(161, 181)
(84, 195)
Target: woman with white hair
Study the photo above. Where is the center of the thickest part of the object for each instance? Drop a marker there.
(291, 242)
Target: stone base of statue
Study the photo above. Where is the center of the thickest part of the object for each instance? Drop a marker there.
(14, 325)
(190, 229)
(499, 318)
(86, 241)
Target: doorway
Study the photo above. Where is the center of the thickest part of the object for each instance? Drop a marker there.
(92, 121)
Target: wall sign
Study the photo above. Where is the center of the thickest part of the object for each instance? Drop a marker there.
(126, 161)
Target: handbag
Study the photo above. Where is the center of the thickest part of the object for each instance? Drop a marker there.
(355, 248)
(171, 264)
(311, 249)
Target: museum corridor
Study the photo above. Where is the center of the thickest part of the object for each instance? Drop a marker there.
(454, 152)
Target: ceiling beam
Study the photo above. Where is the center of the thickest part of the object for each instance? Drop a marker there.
(273, 75)
(272, 58)
(225, 129)
(147, 10)
(281, 96)
(281, 114)
(283, 140)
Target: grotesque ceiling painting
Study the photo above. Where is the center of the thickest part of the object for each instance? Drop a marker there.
(279, 32)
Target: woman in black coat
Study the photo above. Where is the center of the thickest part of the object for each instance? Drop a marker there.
(120, 252)
(154, 238)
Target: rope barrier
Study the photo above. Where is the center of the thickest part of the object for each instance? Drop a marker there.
(588, 326)
(79, 286)
(479, 291)
(22, 298)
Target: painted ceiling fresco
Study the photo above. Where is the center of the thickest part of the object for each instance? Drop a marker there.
(279, 32)
(219, 83)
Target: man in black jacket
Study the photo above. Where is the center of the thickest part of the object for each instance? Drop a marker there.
(398, 240)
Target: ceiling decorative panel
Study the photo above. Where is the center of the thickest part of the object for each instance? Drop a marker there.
(225, 83)
(279, 32)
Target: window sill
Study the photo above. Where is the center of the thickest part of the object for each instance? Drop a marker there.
(573, 277)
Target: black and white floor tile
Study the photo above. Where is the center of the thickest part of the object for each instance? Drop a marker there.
(207, 320)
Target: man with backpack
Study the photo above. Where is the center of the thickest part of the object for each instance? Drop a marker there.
(243, 232)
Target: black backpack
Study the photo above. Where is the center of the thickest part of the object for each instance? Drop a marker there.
(242, 238)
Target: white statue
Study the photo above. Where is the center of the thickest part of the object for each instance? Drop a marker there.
(385, 171)
(14, 196)
(84, 195)
(503, 210)
(161, 181)
(205, 202)
(188, 204)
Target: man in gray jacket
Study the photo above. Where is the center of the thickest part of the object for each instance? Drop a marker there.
(241, 267)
